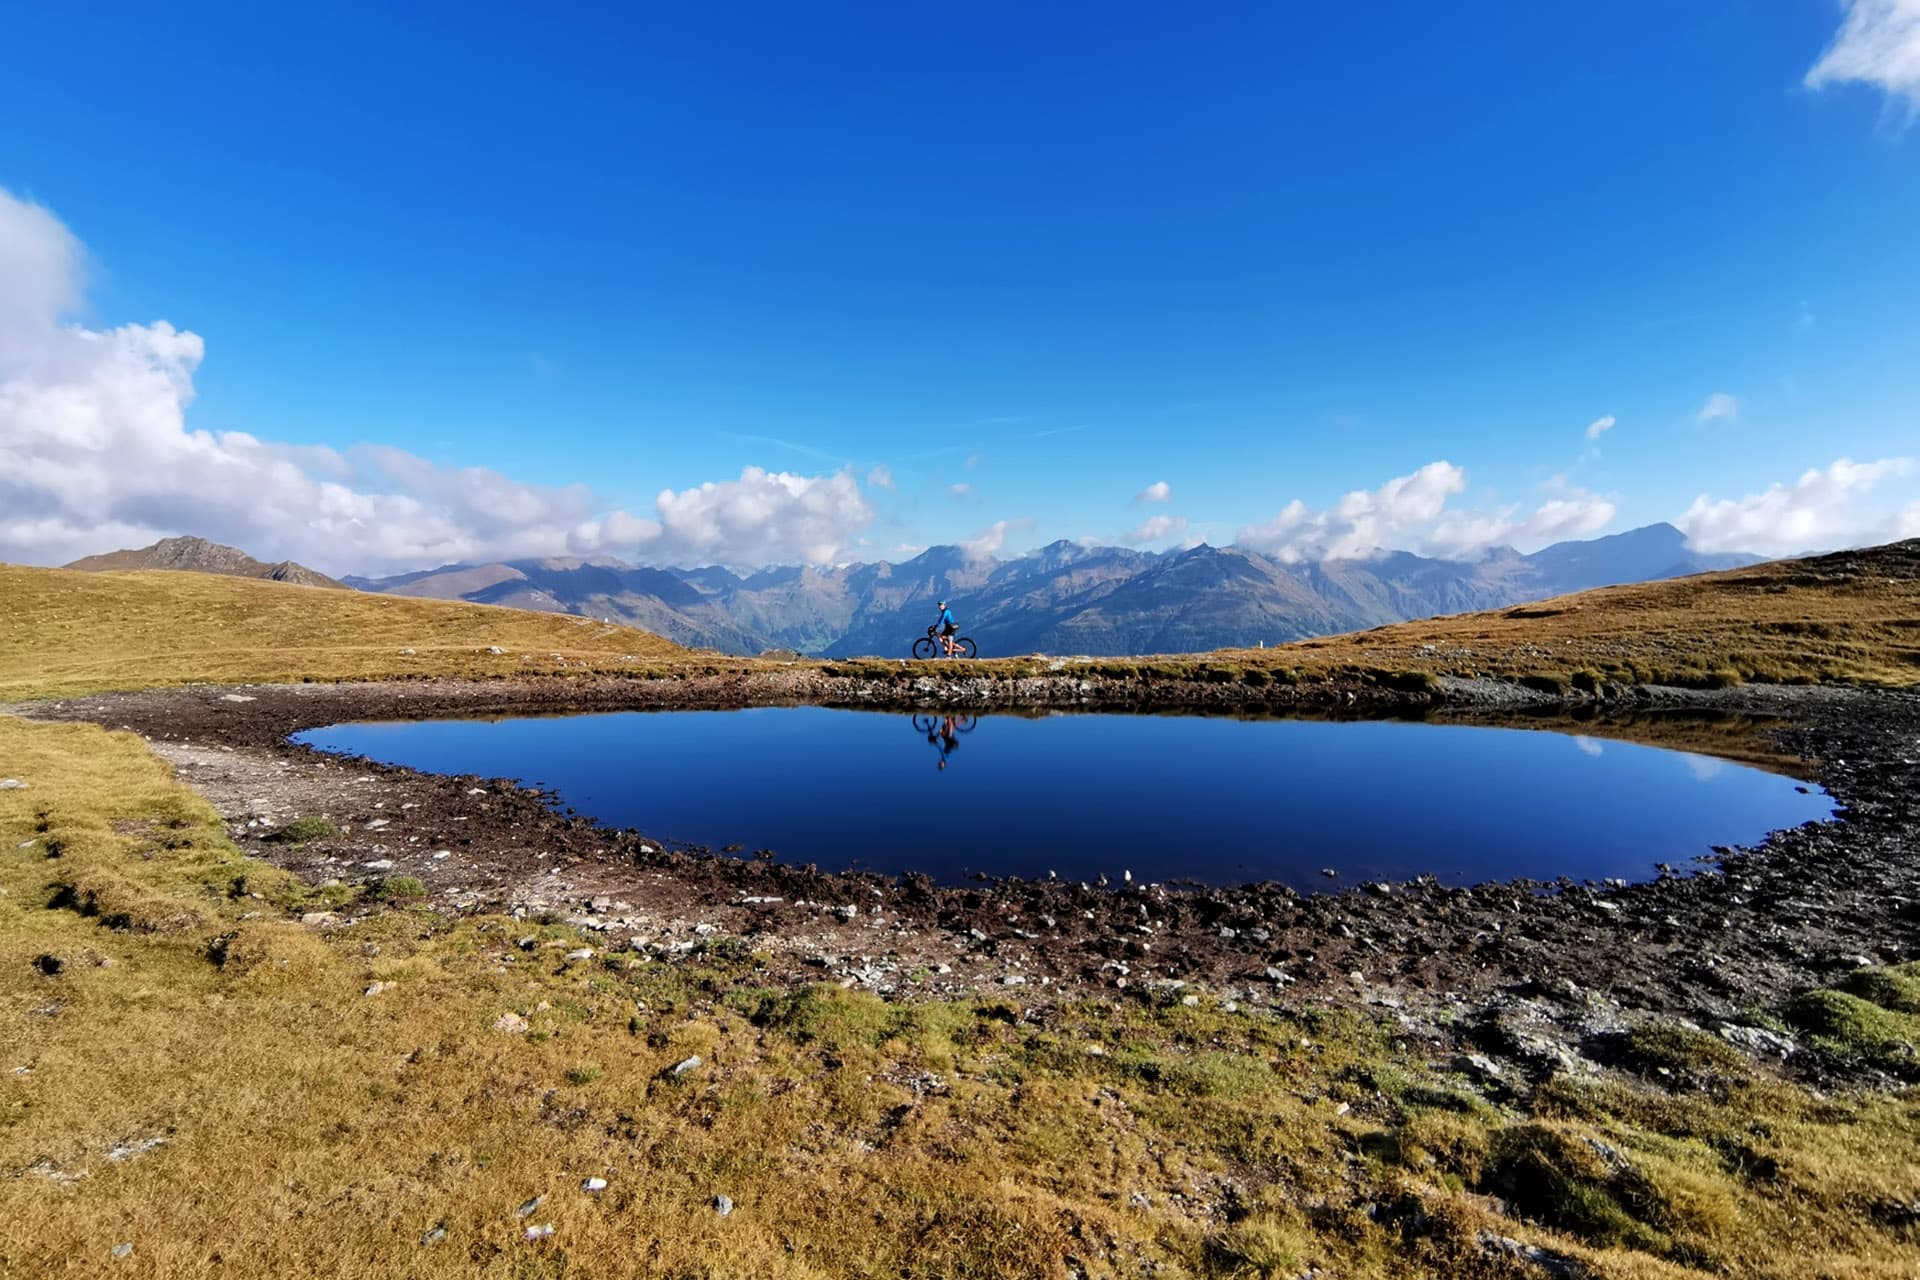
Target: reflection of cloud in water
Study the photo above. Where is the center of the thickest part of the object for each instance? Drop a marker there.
(1703, 767)
(1588, 747)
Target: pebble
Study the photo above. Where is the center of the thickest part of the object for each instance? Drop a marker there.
(123, 1251)
(594, 1186)
(435, 1234)
(682, 1067)
(583, 953)
(722, 1205)
(527, 1210)
(379, 987)
(12, 784)
(511, 1024)
(847, 912)
(237, 697)
(540, 1232)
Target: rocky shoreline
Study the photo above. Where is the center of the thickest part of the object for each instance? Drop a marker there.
(1522, 974)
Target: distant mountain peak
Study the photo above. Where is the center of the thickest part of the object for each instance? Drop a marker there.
(200, 555)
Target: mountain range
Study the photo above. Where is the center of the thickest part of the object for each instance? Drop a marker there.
(1062, 598)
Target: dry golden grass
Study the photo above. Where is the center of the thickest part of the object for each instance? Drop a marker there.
(205, 1079)
(1852, 617)
(64, 632)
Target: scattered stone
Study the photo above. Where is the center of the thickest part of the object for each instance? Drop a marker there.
(237, 697)
(512, 1024)
(12, 784)
(1378, 888)
(408, 653)
(1190, 1000)
(528, 1209)
(594, 1186)
(1139, 1200)
(847, 912)
(121, 1251)
(685, 1065)
(435, 1234)
(1760, 1042)
(379, 987)
(580, 953)
(319, 919)
(495, 650)
(1013, 980)
(540, 1232)
(722, 1205)
(1329, 873)
(705, 930)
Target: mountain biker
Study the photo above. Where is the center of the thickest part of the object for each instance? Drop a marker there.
(948, 628)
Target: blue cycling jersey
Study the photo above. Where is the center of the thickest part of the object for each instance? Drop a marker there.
(946, 618)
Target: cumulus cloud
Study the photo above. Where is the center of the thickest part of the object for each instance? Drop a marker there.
(1158, 529)
(1360, 524)
(1409, 513)
(1878, 44)
(1822, 510)
(1599, 427)
(1718, 405)
(881, 477)
(960, 490)
(1158, 491)
(988, 542)
(95, 454)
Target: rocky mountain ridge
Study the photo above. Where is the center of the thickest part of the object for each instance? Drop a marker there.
(198, 555)
(1061, 598)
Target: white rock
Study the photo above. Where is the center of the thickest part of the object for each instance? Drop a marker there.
(527, 1210)
(681, 1068)
(379, 987)
(540, 1232)
(237, 697)
(123, 1251)
(511, 1024)
(583, 953)
(379, 864)
(12, 784)
(594, 1186)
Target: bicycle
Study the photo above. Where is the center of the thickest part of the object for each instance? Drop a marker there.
(929, 645)
(927, 726)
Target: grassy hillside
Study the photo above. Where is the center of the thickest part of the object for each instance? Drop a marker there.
(65, 632)
(190, 1073)
(1851, 617)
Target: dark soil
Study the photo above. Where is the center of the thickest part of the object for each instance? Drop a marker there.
(1528, 972)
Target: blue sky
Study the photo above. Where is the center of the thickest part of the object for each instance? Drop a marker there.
(1028, 259)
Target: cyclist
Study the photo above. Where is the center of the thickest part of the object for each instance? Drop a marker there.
(949, 739)
(948, 628)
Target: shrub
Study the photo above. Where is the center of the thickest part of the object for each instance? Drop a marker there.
(301, 830)
(400, 888)
(1669, 1046)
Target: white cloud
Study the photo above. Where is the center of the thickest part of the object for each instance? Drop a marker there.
(1158, 491)
(1410, 513)
(1587, 746)
(1878, 44)
(1363, 522)
(881, 477)
(95, 454)
(960, 490)
(1820, 511)
(988, 542)
(1718, 405)
(1159, 528)
(1599, 427)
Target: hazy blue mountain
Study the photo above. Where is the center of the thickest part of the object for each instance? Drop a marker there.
(1061, 598)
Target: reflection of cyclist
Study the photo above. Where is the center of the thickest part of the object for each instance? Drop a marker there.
(948, 629)
(948, 739)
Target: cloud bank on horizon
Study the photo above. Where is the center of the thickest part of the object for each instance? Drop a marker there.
(96, 454)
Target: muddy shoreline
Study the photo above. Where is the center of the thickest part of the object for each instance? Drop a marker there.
(1527, 971)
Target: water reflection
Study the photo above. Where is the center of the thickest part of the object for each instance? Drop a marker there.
(1169, 797)
(943, 733)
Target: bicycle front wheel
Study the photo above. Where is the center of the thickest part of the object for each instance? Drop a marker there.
(923, 648)
(963, 647)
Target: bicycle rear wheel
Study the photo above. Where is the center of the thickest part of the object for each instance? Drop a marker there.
(964, 647)
(923, 648)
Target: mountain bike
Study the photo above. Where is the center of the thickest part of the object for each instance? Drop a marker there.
(927, 726)
(928, 646)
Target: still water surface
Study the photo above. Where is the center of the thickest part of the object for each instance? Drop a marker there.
(1167, 797)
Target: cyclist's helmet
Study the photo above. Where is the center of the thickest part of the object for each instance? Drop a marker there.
(943, 604)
